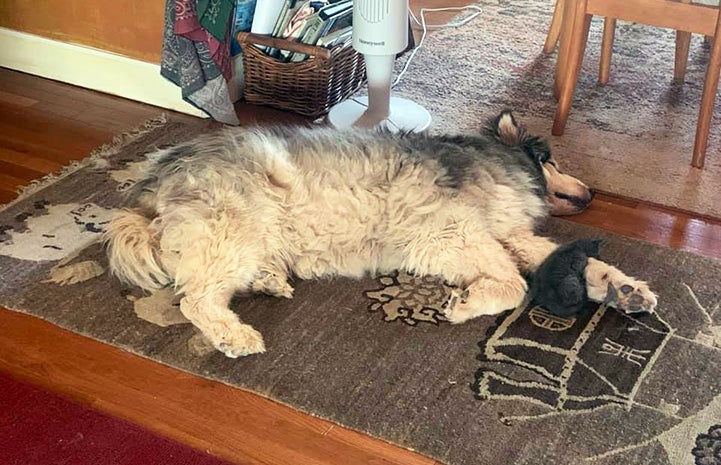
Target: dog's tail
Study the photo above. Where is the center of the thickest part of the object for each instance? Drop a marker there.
(132, 251)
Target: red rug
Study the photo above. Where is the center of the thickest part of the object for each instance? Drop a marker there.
(38, 427)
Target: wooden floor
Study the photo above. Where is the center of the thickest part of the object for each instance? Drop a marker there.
(43, 126)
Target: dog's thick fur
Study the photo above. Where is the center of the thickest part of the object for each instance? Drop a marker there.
(242, 209)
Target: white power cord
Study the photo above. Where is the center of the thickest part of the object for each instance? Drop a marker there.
(422, 23)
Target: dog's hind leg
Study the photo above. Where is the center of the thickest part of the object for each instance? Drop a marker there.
(206, 306)
(211, 268)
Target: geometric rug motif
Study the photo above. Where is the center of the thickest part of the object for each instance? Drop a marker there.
(578, 363)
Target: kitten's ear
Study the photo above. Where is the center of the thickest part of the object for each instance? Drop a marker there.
(592, 247)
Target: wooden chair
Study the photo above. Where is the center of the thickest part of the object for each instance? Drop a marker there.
(683, 42)
(609, 26)
(686, 18)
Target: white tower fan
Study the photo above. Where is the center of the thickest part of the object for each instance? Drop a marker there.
(380, 32)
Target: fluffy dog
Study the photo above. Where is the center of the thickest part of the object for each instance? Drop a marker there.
(242, 209)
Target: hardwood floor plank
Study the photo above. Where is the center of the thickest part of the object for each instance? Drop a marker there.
(8, 182)
(7, 196)
(20, 173)
(78, 104)
(16, 100)
(653, 224)
(53, 139)
(38, 165)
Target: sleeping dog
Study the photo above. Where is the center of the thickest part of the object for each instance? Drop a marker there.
(244, 208)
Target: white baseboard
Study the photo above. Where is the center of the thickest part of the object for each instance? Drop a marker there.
(91, 68)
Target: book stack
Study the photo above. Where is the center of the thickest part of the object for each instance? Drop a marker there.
(242, 20)
(324, 23)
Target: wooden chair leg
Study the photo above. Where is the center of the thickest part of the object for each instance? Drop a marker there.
(604, 68)
(554, 30)
(683, 42)
(567, 16)
(577, 42)
(708, 98)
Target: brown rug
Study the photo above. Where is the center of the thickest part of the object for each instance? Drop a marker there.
(633, 137)
(376, 355)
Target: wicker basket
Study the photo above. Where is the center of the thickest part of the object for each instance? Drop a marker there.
(309, 87)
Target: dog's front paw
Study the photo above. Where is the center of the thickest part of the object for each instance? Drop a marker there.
(242, 340)
(631, 296)
(483, 297)
(456, 309)
(608, 284)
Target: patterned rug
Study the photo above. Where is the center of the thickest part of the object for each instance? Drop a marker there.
(633, 137)
(377, 356)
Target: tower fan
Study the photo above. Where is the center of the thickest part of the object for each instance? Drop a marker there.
(380, 32)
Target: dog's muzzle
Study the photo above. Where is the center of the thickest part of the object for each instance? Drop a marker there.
(567, 204)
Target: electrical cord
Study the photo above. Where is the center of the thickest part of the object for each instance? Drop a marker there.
(425, 26)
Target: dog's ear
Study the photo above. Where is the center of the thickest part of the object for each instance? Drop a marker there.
(506, 129)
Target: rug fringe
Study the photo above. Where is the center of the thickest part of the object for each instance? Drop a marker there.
(97, 156)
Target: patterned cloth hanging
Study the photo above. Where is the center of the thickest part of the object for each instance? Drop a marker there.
(196, 61)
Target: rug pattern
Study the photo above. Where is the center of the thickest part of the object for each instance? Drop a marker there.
(376, 355)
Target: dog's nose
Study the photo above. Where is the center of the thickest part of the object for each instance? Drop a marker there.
(591, 193)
